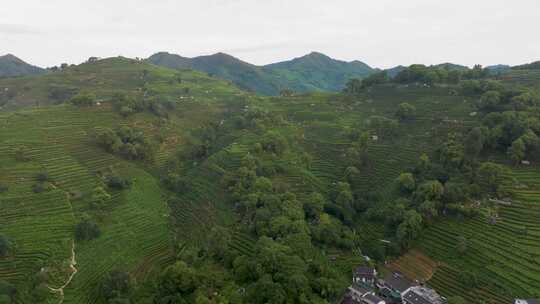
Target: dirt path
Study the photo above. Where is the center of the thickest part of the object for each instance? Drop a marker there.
(73, 270)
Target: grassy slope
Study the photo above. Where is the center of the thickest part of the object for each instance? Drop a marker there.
(136, 228)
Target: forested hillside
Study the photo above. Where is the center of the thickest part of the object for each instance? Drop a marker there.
(126, 182)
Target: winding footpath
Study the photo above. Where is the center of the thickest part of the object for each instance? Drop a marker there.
(73, 270)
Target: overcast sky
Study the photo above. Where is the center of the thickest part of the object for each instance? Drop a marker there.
(382, 33)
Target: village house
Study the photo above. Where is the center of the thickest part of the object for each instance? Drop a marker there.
(394, 285)
(365, 275)
(421, 295)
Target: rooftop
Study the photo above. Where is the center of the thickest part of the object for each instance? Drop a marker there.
(422, 295)
(397, 282)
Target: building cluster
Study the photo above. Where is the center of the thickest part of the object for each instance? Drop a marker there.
(394, 288)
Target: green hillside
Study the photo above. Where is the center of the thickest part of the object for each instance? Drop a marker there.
(313, 72)
(126, 182)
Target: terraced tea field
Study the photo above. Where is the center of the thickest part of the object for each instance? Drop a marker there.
(505, 255)
(135, 232)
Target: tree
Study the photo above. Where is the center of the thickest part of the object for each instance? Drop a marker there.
(490, 100)
(87, 230)
(410, 228)
(406, 182)
(314, 206)
(286, 93)
(351, 173)
(116, 286)
(84, 100)
(218, 242)
(491, 177)
(274, 142)
(344, 196)
(517, 151)
(42, 176)
(5, 245)
(431, 190)
(429, 209)
(462, 244)
(178, 282)
(99, 197)
(474, 142)
(353, 87)
(406, 111)
(7, 292)
(469, 279)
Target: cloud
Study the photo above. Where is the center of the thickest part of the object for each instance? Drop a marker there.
(18, 29)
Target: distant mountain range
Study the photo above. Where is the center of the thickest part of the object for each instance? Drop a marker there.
(11, 66)
(312, 72)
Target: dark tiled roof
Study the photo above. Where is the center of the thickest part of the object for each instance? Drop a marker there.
(397, 282)
(414, 298)
(533, 301)
(364, 270)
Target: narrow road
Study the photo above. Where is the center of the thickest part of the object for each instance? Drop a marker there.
(73, 270)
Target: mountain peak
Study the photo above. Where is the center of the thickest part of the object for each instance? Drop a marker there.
(11, 65)
(10, 57)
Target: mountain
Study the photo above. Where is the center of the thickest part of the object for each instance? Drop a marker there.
(11, 66)
(317, 72)
(529, 66)
(452, 66)
(498, 69)
(392, 72)
(313, 72)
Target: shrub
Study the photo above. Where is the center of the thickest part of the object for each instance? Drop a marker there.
(39, 187)
(5, 246)
(87, 230)
(42, 176)
(84, 100)
(117, 182)
(116, 284)
(406, 111)
(3, 188)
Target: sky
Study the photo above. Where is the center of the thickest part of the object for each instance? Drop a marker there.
(381, 33)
